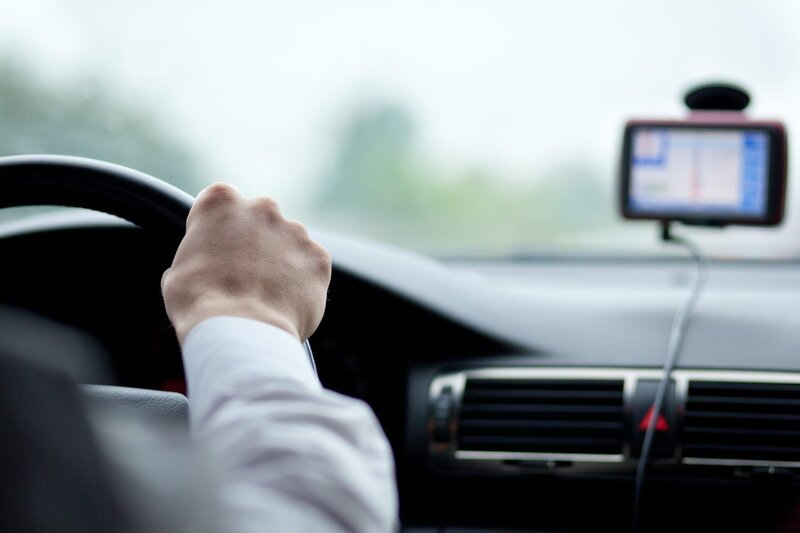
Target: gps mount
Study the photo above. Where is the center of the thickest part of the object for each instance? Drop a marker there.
(717, 97)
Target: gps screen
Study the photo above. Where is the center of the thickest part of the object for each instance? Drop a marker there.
(688, 171)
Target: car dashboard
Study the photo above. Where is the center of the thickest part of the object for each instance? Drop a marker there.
(513, 392)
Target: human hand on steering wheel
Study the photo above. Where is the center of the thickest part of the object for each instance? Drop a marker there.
(242, 258)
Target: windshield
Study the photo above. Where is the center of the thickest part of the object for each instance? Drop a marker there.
(470, 127)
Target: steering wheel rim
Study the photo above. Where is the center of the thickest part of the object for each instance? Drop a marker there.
(68, 181)
(144, 200)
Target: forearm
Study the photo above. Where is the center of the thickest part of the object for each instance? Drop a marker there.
(292, 452)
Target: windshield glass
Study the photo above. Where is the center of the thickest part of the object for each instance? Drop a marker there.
(471, 127)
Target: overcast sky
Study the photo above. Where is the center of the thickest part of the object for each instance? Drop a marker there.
(260, 88)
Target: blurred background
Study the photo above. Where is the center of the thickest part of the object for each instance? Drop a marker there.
(482, 128)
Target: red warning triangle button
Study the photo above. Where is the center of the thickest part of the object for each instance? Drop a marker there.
(661, 423)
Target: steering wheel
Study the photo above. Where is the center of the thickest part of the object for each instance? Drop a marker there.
(139, 198)
(147, 202)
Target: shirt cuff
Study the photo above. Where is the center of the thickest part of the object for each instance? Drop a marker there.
(225, 352)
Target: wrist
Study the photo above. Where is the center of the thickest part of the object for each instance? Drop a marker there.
(243, 307)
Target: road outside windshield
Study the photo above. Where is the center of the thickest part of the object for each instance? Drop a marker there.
(451, 127)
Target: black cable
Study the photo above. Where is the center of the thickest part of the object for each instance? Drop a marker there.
(677, 333)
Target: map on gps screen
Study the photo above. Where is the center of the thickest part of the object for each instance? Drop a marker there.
(682, 170)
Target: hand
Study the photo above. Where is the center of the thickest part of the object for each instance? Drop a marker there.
(241, 258)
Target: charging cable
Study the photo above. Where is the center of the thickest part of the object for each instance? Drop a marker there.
(679, 324)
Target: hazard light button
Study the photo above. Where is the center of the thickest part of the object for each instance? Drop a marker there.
(642, 411)
(647, 419)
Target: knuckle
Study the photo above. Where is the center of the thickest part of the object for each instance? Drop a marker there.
(267, 207)
(169, 283)
(210, 200)
(165, 278)
(298, 229)
(219, 192)
(323, 257)
(266, 203)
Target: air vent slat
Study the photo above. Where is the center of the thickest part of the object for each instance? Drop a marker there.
(759, 390)
(742, 421)
(750, 432)
(544, 384)
(742, 451)
(541, 444)
(755, 416)
(540, 408)
(747, 400)
(559, 416)
(523, 432)
(540, 424)
(562, 395)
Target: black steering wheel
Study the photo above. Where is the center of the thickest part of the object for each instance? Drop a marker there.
(78, 182)
(147, 202)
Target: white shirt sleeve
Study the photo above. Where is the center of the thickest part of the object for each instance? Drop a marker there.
(293, 456)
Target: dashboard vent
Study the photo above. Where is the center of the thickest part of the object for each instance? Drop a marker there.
(747, 422)
(542, 416)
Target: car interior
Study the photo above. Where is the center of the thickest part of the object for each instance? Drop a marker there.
(570, 389)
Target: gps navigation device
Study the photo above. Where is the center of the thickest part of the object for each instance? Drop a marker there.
(704, 172)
